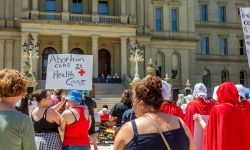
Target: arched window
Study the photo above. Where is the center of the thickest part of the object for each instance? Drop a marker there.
(77, 51)
(104, 62)
(243, 76)
(46, 52)
(206, 79)
(160, 64)
(176, 65)
(224, 76)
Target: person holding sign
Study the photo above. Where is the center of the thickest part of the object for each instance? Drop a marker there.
(75, 123)
(46, 121)
(225, 129)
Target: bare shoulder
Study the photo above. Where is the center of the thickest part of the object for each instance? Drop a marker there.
(125, 134)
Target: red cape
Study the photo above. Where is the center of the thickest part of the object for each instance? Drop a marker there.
(171, 108)
(245, 107)
(199, 106)
(225, 129)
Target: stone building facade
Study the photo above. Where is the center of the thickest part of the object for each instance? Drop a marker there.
(187, 39)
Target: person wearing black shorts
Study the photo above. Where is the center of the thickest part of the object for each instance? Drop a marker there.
(91, 104)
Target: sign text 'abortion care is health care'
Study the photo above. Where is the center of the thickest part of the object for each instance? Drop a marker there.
(69, 71)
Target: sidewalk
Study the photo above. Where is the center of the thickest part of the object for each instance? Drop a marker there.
(103, 147)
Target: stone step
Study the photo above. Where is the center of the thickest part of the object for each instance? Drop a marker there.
(106, 101)
(109, 90)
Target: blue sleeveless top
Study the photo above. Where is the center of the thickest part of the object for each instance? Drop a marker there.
(177, 140)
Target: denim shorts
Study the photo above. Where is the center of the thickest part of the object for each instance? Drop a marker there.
(74, 147)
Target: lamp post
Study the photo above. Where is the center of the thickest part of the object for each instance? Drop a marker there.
(30, 54)
(30, 50)
(136, 56)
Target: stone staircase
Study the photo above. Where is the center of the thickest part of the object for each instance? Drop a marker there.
(108, 94)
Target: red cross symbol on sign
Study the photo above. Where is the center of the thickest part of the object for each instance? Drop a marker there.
(81, 72)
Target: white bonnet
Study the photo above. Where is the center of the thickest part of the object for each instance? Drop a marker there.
(166, 90)
(215, 93)
(200, 90)
(241, 90)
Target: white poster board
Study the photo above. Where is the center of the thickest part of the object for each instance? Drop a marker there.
(69, 71)
(199, 133)
(245, 20)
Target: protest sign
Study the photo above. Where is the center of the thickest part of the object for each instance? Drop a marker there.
(69, 71)
(245, 20)
(199, 133)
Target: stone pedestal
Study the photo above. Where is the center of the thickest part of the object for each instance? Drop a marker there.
(65, 16)
(124, 19)
(34, 14)
(95, 18)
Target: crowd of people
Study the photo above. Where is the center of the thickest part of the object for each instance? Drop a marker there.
(146, 117)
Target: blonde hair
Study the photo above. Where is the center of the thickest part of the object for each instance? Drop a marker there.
(12, 83)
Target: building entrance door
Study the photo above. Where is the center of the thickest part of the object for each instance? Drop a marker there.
(104, 62)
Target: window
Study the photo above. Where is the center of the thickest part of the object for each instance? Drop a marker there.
(224, 76)
(242, 47)
(158, 19)
(203, 12)
(50, 6)
(103, 8)
(204, 45)
(174, 20)
(46, 52)
(76, 51)
(222, 13)
(206, 79)
(76, 6)
(223, 46)
(243, 78)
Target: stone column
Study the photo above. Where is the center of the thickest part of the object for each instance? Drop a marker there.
(23, 40)
(95, 54)
(33, 63)
(9, 53)
(124, 17)
(131, 64)
(25, 11)
(9, 13)
(2, 54)
(124, 59)
(34, 11)
(94, 6)
(65, 43)
(95, 16)
(65, 13)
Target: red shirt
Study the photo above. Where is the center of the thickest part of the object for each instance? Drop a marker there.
(104, 117)
(77, 132)
(171, 108)
(199, 106)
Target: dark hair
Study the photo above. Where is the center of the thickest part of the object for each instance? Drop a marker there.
(58, 92)
(126, 97)
(39, 95)
(105, 106)
(150, 92)
(24, 105)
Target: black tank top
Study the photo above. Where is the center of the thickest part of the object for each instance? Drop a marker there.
(177, 140)
(43, 126)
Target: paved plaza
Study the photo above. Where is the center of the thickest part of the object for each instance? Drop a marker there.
(103, 147)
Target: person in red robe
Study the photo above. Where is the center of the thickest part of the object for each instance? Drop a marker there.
(245, 107)
(168, 106)
(225, 129)
(199, 105)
